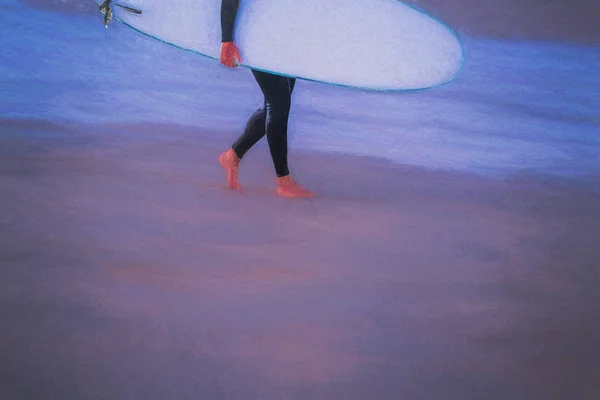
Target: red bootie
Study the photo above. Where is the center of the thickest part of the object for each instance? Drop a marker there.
(230, 161)
(286, 187)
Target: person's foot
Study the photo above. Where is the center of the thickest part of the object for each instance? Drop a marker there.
(286, 187)
(230, 161)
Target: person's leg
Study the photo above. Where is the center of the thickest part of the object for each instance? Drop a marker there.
(278, 96)
(277, 90)
(254, 131)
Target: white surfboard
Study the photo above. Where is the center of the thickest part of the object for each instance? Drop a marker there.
(369, 44)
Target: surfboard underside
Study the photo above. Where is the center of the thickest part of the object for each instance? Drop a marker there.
(368, 44)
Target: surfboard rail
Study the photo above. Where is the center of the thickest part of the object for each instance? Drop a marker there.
(130, 16)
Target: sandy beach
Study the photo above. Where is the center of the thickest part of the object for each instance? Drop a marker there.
(130, 272)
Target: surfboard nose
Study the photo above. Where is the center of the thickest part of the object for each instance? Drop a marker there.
(381, 44)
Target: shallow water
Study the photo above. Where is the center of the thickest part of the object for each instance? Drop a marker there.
(515, 106)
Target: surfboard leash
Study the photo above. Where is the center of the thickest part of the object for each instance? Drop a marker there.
(106, 9)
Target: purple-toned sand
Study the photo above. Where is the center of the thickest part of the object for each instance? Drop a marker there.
(130, 272)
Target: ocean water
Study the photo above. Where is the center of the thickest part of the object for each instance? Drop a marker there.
(516, 106)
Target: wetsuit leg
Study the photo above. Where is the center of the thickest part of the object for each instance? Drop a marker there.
(255, 130)
(271, 120)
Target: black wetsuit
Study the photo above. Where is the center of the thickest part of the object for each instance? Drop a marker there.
(272, 118)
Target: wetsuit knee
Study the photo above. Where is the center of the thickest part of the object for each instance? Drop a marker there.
(279, 109)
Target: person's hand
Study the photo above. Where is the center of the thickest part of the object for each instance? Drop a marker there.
(229, 54)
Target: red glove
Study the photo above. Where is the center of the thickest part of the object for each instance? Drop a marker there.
(229, 54)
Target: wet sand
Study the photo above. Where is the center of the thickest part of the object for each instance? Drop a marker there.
(128, 271)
